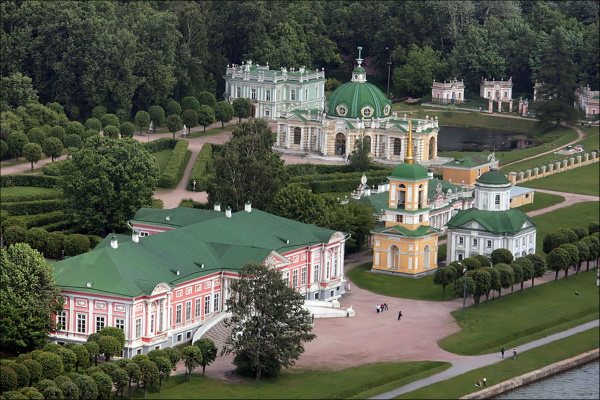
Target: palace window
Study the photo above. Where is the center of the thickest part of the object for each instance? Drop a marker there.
(198, 307)
(295, 278)
(178, 314)
(100, 322)
(397, 147)
(386, 109)
(305, 94)
(152, 319)
(303, 276)
(327, 270)
(206, 305)
(61, 321)
(461, 241)
(341, 110)
(400, 218)
(239, 92)
(317, 92)
(474, 242)
(268, 95)
(138, 327)
(366, 111)
(216, 302)
(489, 244)
(317, 273)
(120, 323)
(421, 218)
(297, 135)
(253, 94)
(293, 94)
(188, 310)
(497, 200)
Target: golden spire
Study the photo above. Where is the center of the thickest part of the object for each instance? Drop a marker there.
(409, 151)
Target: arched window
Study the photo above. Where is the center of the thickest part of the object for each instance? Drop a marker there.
(297, 135)
(397, 147)
(460, 257)
(401, 196)
(340, 144)
(427, 257)
(394, 257)
(497, 200)
(420, 196)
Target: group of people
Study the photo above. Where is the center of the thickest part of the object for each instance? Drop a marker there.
(515, 353)
(381, 307)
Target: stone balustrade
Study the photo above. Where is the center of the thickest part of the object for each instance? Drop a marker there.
(554, 167)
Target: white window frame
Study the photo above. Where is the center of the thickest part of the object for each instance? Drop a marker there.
(268, 95)
(207, 304)
(178, 314)
(198, 307)
(216, 302)
(120, 323)
(253, 93)
(238, 92)
(100, 322)
(317, 273)
(303, 276)
(61, 321)
(138, 327)
(295, 278)
(188, 310)
(293, 94)
(152, 321)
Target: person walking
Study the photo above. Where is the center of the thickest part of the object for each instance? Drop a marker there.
(377, 308)
(399, 315)
(515, 353)
(502, 352)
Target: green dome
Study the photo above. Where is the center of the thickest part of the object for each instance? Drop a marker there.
(493, 177)
(414, 172)
(359, 70)
(357, 100)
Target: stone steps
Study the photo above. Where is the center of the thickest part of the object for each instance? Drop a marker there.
(218, 334)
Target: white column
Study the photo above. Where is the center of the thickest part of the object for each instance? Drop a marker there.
(387, 148)
(127, 327)
(287, 137)
(72, 317)
(302, 138)
(90, 315)
(110, 319)
(147, 311)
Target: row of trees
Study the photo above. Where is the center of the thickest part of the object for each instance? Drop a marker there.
(570, 248)
(129, 56)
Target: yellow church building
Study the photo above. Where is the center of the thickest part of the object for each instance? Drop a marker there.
(406, 244)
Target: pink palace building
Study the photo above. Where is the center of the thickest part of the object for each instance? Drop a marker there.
(173, 274)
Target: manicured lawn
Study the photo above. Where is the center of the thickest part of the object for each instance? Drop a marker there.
(17, 192)
(525, 316)
(162, 158)
(592, 138)
(398, 286)
(584, 180)
(580, 214)
(358, 382)
(528, 361)
(542, 200)
(213, 131)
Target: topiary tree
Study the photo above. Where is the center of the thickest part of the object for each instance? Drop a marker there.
(4, 154)
(69, 389)
(104, 384)
(539, 266)
(109, 346)
(89, 133)
(53, 147)
(142, 119)
(8, 379)
(190, 118)
(573, 252)
(149, 374)
(173, 108)
(483, 260)
(76, 244)
(37, 238)
(157, 115)
(495, 283)
(190, 103)
(44, 383)
(75, 128)
(35, 370)
(32, 153)
(173, 355)
(134, 373)
(593, 227)
(16, 144)
(93, 350)
(88, 389)
(53, 393)
(517, 269)
(164, 369)
(584, 251)
(557, 260)
(501, 256)
(464, 287)
(31, 393)
(528, 269)
(242, 108)
(115, 333)
(93, 123)
(444, 276)
(174, 123)
(592, 249)
(52, 365)
(507, 276)
(98, 111)
(223, 112)
(14, 234)
(110, 119)
(482, 281)
(209, 352)
(73, 142)
(82, 355)
(471, 263)
(57, 132)
(55, 245)
(192, 357)
(36, 135)
(207, 98)
(120, 379)
(206, 116)
(111, 131)
(22, 372)
(127, 129)
(580, 232)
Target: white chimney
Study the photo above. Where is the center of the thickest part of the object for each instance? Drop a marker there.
(248, 207)
(114, 243)
(135, 237)
(217, 207)
(228, 212)
(168, 218)
(430, 174)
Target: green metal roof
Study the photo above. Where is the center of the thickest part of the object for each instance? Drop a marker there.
(220, 243)
(379, 201)
(356, 95)
(422, 230)
(413, 172)
(493, 177)
(432, 187)
(468, 162)
(509, 221)
(359, 70)
(174, 217)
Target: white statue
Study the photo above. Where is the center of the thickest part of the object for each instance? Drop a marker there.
(184, 130)
(151, 127)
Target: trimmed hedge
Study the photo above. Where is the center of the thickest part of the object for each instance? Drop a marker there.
(373, 177)
(317, 169)
(32, 197)
(57, 226)
(55, 168)
(343, 185)
(160, 144)
(29, 180)
(32, 207)
(202, 166)
(31, 221)
(175, 166)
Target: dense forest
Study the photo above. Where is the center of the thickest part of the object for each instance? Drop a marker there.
(129, 55)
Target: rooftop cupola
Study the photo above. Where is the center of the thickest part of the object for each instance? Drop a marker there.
(359, 75)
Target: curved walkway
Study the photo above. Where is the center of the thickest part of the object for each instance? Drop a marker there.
(569, 200)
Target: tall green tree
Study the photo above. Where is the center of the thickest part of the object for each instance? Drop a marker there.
(207, 98)
(28, 298)
(360, 158)
(444, 276)
(53, 147)
(483, 283)
(558, 75)
(206, 116)
(157, 115)
(265, 338)
(174, 123)
(247, 169)
(558, 259)
(192, 357)
(209, 352)
(16, 144)
(107, 182)
(423, 65)
(242, 108)
(223, 112)
(142, 120)
(32, 152)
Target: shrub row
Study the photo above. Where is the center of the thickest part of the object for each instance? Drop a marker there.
(55, 168)
(51, 245)
(160, 144)
(378, 175)
(340, 185)
(175, 166)
(202, 166)
(317, 169)
(29, 180)
(57, 226)
(31, 197)
(30, 221)
(32, 207)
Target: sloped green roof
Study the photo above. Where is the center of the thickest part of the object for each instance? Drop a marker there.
(509, 221)
(174, 217)
(106, 241)
(432, 187)
(398, 230)
(216, 244)
(468, 162)
(356, 95)
(412, 172)
(379, 201)
(493, 177)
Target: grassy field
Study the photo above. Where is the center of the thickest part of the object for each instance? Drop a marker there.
(9, 193)
(398, 286)
(584, 180)
(358, 382)
(580, 214)
(162, 158)
(213, 131)
(528, 361)
(521, 317)
(542, 200)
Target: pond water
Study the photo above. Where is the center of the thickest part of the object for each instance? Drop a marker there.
(454, 138)
(578, 383)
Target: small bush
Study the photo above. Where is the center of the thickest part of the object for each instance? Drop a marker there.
(175, 166)
(127, 129)
(200, 169)
(76, 244)
(93, 123)
(110, 119)
(55, 168)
